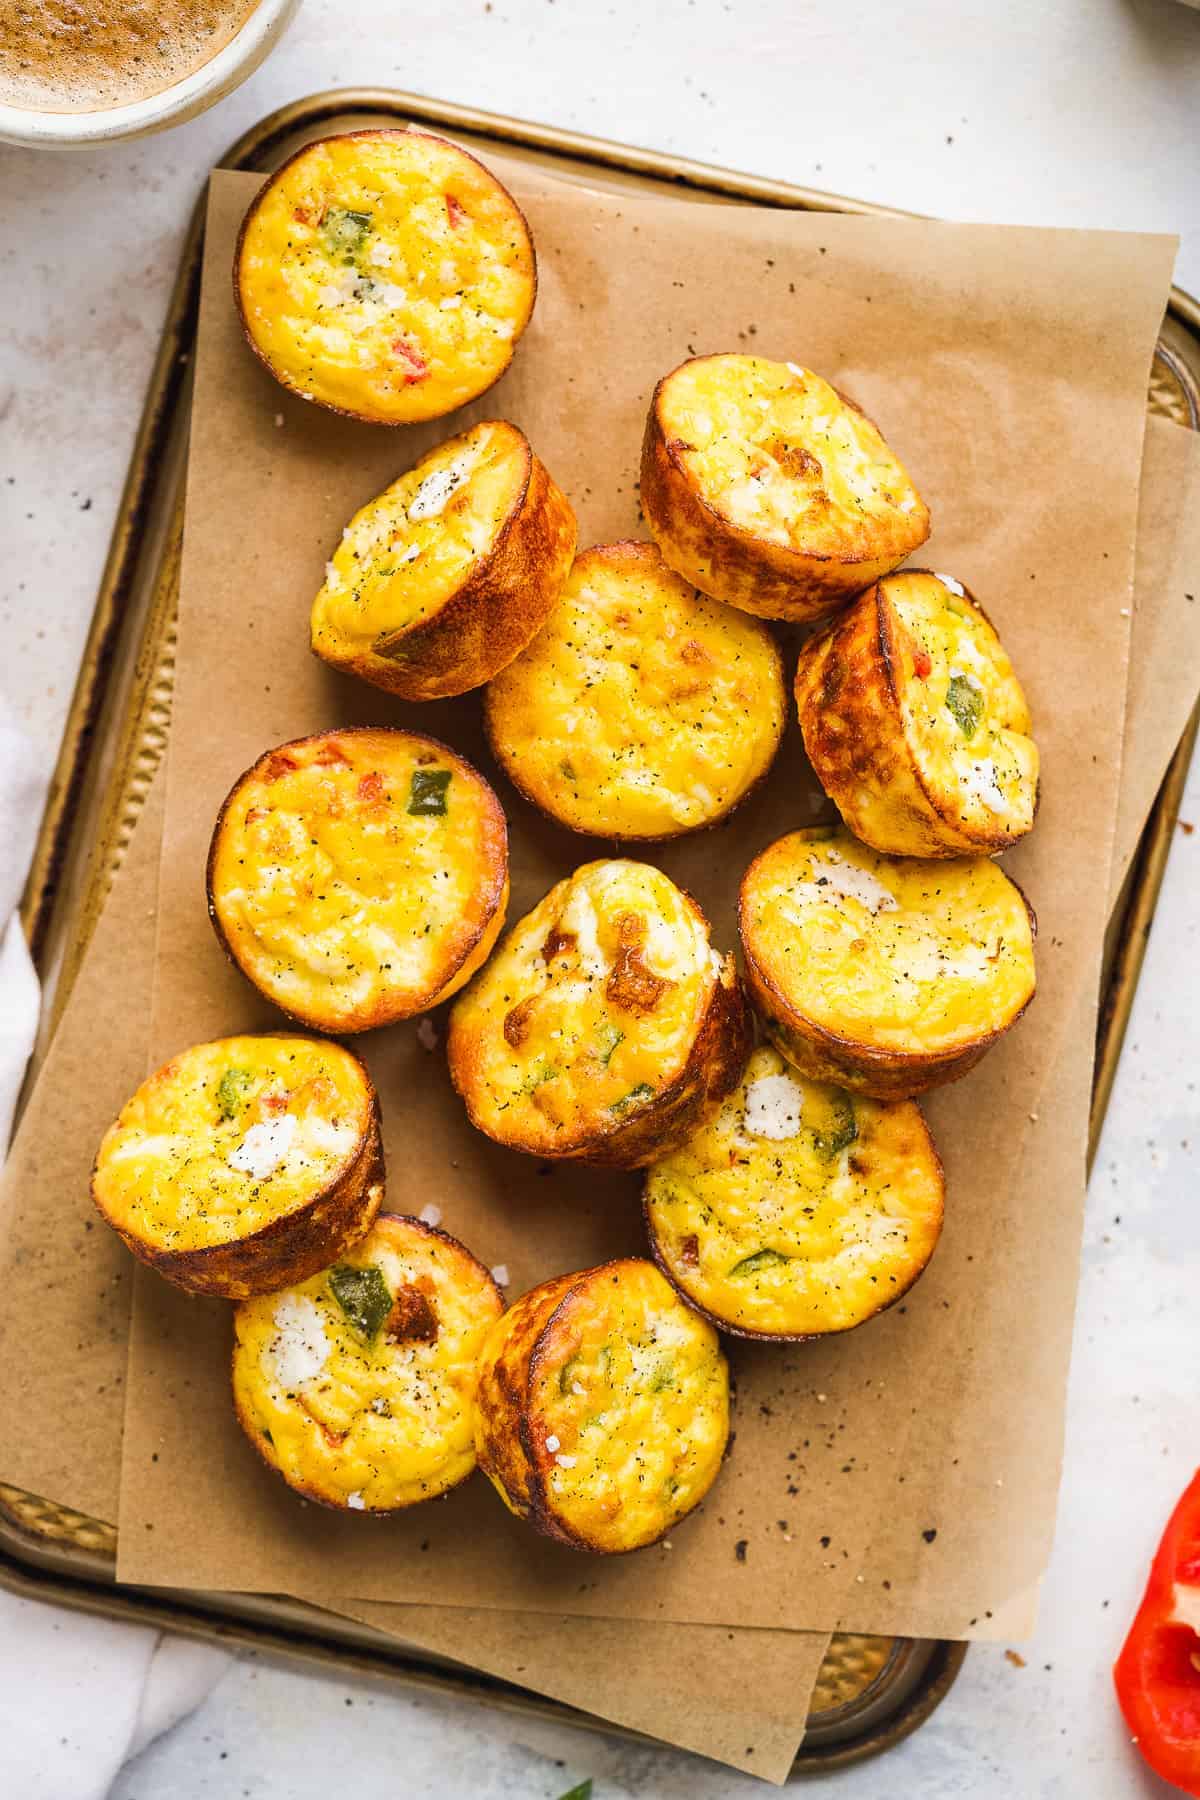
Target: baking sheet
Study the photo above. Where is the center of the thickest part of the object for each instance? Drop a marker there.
(990, 381)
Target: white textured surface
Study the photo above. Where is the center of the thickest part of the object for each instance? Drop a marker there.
(1080, 113)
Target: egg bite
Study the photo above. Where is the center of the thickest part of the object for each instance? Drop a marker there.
(800, 1209)
(770, 490)
(443, 578)
(358, 877)
(886, 975)
(386, 274)
(915, 724)
(244, 1164)
(358, 1385)
(641, 709)
(602, 1412)
(606, 1027)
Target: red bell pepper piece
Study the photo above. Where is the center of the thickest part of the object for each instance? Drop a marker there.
(1157, 1674)
(455, 211)
(412, 362)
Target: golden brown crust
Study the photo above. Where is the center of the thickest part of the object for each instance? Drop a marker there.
(501, 605)
(718, 1052)
(741, 1192)
(283, 377)
(507, 1455)
(287, 1249)
(513, 726)
(535, 1338)
(735, 564)
(467, 946)
(386, 1224)
(848, 698)
(824, 1055)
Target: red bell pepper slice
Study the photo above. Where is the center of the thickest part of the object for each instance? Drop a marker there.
(412, 363)
(1157, 1674)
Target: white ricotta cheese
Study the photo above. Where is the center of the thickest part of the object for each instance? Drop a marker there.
(773, 1108)
(356, 1502)
(299, 1350)
(851, 883)
(430, 499)
(500, 1274)
(265, 1146)
(948, 581)
(552, 1444)
(430, 1215)
(982, 780)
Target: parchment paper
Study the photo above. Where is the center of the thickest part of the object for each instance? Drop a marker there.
(1009, 368)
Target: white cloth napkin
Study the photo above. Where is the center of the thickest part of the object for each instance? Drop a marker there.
(79, 1695)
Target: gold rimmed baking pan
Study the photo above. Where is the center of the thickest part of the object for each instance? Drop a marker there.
(871, 1691)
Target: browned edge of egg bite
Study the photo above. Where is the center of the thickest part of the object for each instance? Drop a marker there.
(290, 1247)
(284, 377)
(383, 1222)
(489, 899)
(732, 562)
(500, 607)
(851, 712)
(843, 1061)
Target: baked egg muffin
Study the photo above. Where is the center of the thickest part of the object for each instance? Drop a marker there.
(245, 1164)
(446, 575)
(768, 489)
(886, 975)
(800, 1209)
(359, 876)
(915, 723)
(602, 1412)
(358, 1385)
(386, 274)
(641, 709)
(606, 1027)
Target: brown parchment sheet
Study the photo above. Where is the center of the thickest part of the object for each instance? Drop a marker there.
(1009, 368)
(735, 1694)
(1164, 662)
(66, 1279)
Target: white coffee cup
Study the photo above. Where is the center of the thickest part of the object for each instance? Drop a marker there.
(223, 72)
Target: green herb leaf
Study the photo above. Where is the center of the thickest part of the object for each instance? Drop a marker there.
(567, 769)
(663, 1376)
(427, 794)
(643, 1091)
(758, 1259)
(965, 701)
(607, 1038)
(232, 1090)
(538, 1076)
(363, 1296)
(840, 1132)
(345, 232)
(581, 1791)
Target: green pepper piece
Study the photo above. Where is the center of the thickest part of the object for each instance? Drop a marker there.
(840, 1132)
(643, 1091)
(758, 1259)
(345, 232)
(232, 1090)
(965, 702)
(427, 793)
(608, 1036)
(664, 1376)
(363, 1296)
(538, 1076)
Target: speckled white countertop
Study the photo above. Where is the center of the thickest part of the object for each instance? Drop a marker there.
(1080, 113)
